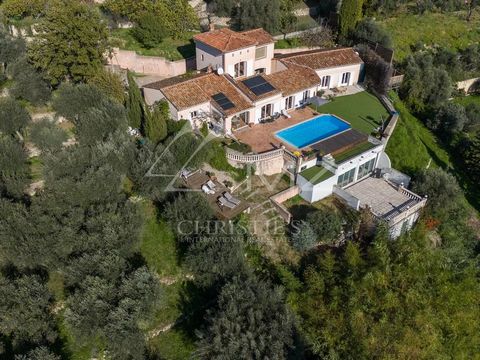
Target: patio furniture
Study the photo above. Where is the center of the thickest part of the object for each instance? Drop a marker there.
(185, 174)
(230, 198)
(286, 114)
(211, 185)
(207, 190)
(222, 201)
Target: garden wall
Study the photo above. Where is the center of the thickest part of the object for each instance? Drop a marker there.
(280, 198)
(151, 65)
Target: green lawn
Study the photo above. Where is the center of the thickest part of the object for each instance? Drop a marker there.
(449, 30)
(465, 100)
(172, 49)
(159, 249)
(412, 146)
(356, 150)
(316, 174)
(288, 43)
(363, 110)
(159, 246)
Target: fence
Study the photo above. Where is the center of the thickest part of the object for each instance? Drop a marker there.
(253, 158)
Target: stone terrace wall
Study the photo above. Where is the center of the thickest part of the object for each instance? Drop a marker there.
(278, 200)
(151, 65)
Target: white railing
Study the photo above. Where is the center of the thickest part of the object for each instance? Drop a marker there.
(253, 158)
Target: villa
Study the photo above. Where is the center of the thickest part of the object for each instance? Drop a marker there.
(244, 91)
(240, 82)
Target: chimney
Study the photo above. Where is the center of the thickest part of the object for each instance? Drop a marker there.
(211, 26)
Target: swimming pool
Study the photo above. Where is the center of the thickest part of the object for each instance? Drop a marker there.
(312, 131)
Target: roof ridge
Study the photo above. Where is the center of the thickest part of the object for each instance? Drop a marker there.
(314, 51)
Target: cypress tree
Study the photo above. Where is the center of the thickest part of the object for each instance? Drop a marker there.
(156, 123)
(134, 103)
(350, 15)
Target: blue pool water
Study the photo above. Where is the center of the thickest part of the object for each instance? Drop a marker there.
(312, 131)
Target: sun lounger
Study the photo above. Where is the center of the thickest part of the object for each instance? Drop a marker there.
(232, 199)
(211, 184)
(224, 202)
(207, 190)
(286, 114)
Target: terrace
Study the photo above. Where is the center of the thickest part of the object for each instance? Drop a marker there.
(198, 179)
(261, 137)
(362, 110)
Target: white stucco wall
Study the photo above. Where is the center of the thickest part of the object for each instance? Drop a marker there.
(298, 97)
(234, 57)
(312, 193)
(265, 62)
(186, 113)
(275, 100)
(336, 74)
(206, 55)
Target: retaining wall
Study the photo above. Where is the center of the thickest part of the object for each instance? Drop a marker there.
(151, 65)
(278, 200)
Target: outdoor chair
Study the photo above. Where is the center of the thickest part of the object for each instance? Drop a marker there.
(224, 202)
(207, 190)
(211, 185)
(232, 199)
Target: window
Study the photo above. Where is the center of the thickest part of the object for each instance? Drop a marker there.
(260, 71)
(240, 69)
(289, 102)
(202, 57)
(305, 96)
(260, 53)
(346, 178)
(345, 78)
(365, 169)
(304, 167)
(325, 81)
(266, 111)
(193, 114)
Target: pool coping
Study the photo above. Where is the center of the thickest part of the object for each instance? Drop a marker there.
(316, 142)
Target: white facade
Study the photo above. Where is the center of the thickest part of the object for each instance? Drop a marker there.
(254, 58)
(337, 77)
(342, 174)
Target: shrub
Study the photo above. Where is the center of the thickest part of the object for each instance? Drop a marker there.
(450, 119)
(13, 116)
(149, 30)
(304, 237)
(369, 30)
(326, 223)
(29, 83)
(47, 136)
(441, 188)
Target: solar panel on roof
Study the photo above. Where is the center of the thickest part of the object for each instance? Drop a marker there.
(258, 85)
(254, 81)
(223, 101)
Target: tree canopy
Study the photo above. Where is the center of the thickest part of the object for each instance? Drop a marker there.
(71, 43)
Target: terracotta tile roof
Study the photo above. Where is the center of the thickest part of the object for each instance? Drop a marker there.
(227, 40)
(294, 79)
(323, 59)
(199, 90)
(259, 35)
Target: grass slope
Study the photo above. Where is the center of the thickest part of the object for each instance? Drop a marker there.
(465, 100)
(449, 30)
(412, 145)
(363, 110)
(159, 249)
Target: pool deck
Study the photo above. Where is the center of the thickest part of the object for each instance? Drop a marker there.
(261, 137)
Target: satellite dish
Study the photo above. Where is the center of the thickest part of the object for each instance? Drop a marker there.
(220, 71)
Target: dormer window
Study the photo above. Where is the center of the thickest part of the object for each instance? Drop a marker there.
(260, 53)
